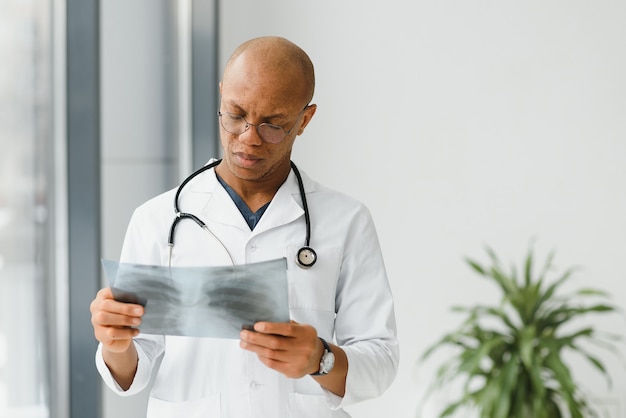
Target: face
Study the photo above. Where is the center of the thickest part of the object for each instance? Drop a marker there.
(260, 96)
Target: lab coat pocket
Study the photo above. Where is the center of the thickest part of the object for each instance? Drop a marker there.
(205, 407)
(314, 287)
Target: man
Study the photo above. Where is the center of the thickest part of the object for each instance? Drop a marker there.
(340, 307)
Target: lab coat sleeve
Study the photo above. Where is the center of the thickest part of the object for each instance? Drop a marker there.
(149, 349)
(365, 325)
(140, 247)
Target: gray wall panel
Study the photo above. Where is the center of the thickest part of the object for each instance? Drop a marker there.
(83, 157)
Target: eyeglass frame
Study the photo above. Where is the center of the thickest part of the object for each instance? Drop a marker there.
(271, 125)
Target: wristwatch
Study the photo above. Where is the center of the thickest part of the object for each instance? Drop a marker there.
(327, 361)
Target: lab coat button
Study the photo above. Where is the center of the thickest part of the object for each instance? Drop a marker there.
(255, 385)
(253, 248)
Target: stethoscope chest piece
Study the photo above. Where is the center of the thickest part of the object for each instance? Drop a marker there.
(306, 257)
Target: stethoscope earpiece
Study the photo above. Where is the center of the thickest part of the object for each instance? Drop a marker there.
(306, 257)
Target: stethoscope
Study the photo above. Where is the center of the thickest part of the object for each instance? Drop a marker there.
(305, 257)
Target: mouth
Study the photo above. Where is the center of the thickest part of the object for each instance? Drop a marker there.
(246, 160)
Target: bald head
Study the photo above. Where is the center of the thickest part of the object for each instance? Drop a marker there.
(277, 60)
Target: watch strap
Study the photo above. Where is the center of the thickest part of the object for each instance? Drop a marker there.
(326, 350)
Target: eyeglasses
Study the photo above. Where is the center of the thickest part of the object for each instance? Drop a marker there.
(236, 124)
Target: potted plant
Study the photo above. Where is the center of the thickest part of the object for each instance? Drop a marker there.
(509, 359)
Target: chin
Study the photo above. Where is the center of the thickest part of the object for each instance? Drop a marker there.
(245, 173)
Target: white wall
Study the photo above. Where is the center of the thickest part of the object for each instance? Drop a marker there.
(462, 124)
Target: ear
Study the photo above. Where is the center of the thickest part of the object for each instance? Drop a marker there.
(220, 88)
(306, 118)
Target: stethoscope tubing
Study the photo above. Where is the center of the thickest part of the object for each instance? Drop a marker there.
(182, 215)
(305, 206)
(305, 257)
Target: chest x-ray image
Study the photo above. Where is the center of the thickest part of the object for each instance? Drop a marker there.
(202, 301)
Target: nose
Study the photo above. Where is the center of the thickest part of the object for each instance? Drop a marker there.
(250, 136)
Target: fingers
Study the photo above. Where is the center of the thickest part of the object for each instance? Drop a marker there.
(289, 348)
(113, 337)
(286, 329)
(104, 302)
(112, 320)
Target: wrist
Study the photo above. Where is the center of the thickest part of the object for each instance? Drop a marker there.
(327, 360)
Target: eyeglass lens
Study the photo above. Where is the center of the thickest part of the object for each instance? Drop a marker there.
(237, 125)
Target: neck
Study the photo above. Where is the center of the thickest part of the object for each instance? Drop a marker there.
(254, 192)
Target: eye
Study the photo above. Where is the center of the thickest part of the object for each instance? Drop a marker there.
(233, 117)
(272, 127)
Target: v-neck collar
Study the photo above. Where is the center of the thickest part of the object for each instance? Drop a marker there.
(211, 201)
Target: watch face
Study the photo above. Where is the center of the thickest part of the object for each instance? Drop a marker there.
(328, 362)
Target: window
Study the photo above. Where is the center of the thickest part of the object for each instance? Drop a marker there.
(26, 190)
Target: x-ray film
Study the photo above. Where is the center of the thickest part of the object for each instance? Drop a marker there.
(202, 301)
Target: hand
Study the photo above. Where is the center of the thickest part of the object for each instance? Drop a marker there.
(112, 321)
(290, 348)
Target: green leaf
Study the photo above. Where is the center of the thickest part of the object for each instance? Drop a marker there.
(552, 408)
(471, 359)
(487, 311)
(546, 266)
(492, 256)
(526, 342)
(560, 316)
(553, 287)
(568, 339)
(536, 384)
(507, 385)
(476, 267)
(595, 361)
(567, 388)
(599, 365)
(518, 406)
(528, 267)
(448, 339)
(452, 408)
(508, 286)
(598, 308)
(592, 292)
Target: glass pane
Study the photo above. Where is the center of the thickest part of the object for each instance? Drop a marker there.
(25, 190)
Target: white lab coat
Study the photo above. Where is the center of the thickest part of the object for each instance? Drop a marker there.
(345, 296)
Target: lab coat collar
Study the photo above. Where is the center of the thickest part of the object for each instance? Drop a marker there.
(212, 201)
(284, 208)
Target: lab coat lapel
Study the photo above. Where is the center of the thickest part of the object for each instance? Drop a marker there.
(285, 207)
(213, 203)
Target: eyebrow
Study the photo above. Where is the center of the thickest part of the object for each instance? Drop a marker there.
(278, 116)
